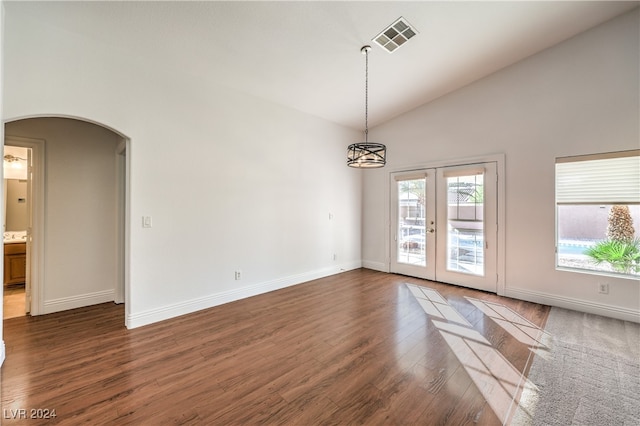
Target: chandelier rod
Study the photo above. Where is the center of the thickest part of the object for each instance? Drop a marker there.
(365, 50)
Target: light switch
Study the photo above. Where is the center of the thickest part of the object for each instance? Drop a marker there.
(146, 222)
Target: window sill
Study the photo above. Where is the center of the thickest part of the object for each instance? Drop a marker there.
(598, 273)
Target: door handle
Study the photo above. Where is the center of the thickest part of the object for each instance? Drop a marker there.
(431, 230)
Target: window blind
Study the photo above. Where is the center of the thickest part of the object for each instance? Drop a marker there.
(410, 176)
(607, 179)
(450, 172)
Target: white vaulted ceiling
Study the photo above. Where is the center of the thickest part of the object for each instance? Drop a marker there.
(306, 55)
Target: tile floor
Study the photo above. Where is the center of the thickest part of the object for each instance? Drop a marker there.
(13, 303)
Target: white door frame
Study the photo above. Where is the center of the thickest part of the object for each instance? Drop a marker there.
(428, 270)
(121, 203)
(499, 159)
(36, 261)
(488, 279)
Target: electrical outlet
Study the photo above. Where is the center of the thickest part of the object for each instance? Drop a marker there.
(603, 288)
(335, 256)
(238, 275)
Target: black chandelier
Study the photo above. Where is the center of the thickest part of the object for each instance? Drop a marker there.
(366, 154)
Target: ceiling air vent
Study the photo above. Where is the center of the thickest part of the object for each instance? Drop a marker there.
(395, 35)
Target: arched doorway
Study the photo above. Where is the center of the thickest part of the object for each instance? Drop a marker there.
(79, 211)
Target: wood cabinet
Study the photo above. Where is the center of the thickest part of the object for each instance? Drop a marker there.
(15, 263)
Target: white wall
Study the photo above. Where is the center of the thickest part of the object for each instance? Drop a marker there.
(80, 213)
(579, 97)
(231, 181)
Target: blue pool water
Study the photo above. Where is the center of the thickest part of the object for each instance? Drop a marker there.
(574, 247)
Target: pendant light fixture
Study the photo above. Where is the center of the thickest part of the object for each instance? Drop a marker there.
(13, 161)
(366, 154)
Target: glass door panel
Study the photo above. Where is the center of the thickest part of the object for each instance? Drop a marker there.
(411, 240)
(413, 247)
(467, 222)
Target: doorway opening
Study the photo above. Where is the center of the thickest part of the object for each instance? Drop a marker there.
(16, 228)
(86, 189)
(18, 219)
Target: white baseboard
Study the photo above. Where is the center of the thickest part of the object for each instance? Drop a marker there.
(574, 304)
(78, 301)
(182, 308)
(376, 266)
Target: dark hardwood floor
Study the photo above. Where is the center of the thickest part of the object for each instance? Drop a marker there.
(354, 348)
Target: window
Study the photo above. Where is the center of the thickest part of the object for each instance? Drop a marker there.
(598, 213)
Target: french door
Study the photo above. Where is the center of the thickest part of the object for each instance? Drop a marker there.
(444, 225)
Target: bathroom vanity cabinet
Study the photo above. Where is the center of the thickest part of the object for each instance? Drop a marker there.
(15, 263)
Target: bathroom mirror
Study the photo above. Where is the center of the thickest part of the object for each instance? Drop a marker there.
(15, 189)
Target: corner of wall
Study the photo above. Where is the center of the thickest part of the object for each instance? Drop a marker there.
(376, 266)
